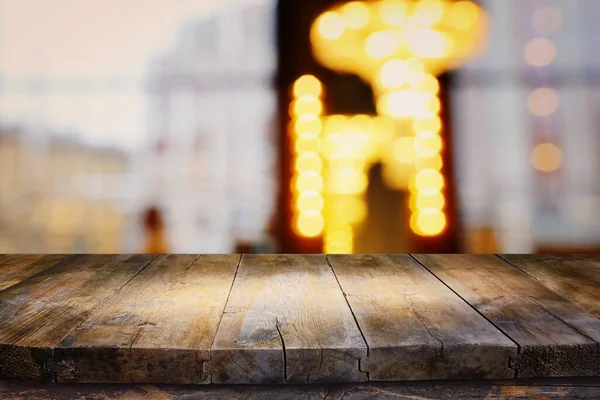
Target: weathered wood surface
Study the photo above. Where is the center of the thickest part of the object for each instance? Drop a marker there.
(415, 327)
(576, 277)
(556, 336)
(157, 329)
(38, 312)
(286, 321)
(488, 390)
(17, 268)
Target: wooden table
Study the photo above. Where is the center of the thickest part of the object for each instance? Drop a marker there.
(297, 319)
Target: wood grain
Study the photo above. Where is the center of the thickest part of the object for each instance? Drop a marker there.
(556, 336)
(17, 268)
(482, 390)
(286, 321)
(415, 327)
(576, 277)
(39, 312)
(157, 329)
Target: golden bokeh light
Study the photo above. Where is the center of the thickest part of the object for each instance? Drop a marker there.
(310, 201)
(429, 43)
(424, 200)
(429, 179)
(547, 157)
(310, 224)
(435, 162)
(399, 47)
(308, 127)
(307, 85)
(464, 14)
(382, 44)
(540, 52)
(355, 14)
(403, 150)
(393, 13)
(307, 182)
(427, 144)
(331, 25)
(543, 102)
(428, 12)
(428, 222)
(307, 145)
(429, 124)
(308, 161)
(307, 105)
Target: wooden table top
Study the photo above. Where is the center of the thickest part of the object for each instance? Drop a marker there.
(256, 319)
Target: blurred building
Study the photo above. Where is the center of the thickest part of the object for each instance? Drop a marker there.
(60, 197)
(526, 130)
(209, 160)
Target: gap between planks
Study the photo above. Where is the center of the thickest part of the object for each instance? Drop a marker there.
(353, 316)
(511, 361)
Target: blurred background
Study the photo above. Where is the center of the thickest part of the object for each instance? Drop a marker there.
(218, 126)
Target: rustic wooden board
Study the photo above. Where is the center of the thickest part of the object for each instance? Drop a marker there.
(556, 336)
(37, 313)
(157, 329)
(415, 327)
(576, 277)
(482, 390)
(17, 268)
(286, 321)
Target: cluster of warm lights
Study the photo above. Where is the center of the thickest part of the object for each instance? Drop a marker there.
(544, 101)
(399, 47)
(307, 181)
(360, 37)
(350, 146)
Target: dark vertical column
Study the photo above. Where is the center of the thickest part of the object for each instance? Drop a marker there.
(294, 19)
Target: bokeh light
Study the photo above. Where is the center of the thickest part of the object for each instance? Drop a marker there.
(547, 157)
(543, 102)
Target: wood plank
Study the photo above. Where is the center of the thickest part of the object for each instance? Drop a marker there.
(576, 277)
(38, 313)
(416, 328)
(286, 321)
(17, 268)
(157, 329)
(477, 390)
(556, 336)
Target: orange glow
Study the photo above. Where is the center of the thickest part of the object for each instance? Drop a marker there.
(427, 144)
(331, 25)
(429, 12)
(428, 222)
(464, 15)
(430, 124)
(310, 201)
(429, 43)
(547, 157)
(434, 163)
(392, 13)
(307, 85)
(310, 224)
(309, 161)
(429, 179)
(355, 14)
(382, 44)
(404, 150)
